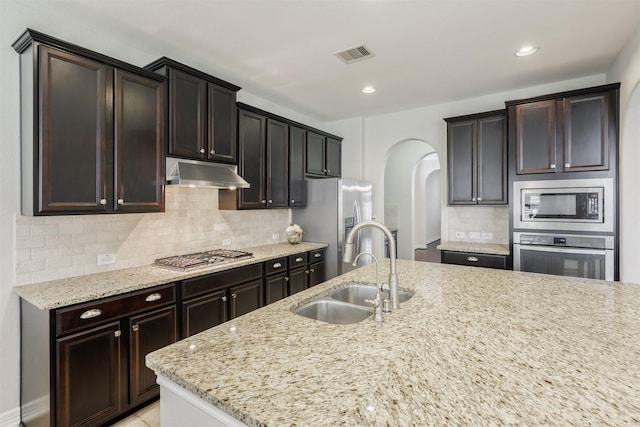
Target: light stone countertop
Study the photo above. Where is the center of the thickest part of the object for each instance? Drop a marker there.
(477, 247)
(63, 292)
(474, 346)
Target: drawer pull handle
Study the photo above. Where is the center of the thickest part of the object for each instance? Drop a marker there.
(277, 265)
(299, 259)
(90, 314)
(317, 255)
(153, 297)
(472, 259)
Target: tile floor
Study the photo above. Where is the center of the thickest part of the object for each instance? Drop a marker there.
(148, 416)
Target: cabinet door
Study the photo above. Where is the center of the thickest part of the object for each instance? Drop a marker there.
(275, 288)
(222, 124)
(148, 332)
(315, 154)
(251, 165)
(187, 115)
(492, 161)
(203, 313)
(316, 273)
(297, 183)
(73, 167)
(298, 280)
(586, 133)
(245, 298)
(536, 137)
(333, 153)
(88, 384)
(462, 164)
(139, 143)
(277, 164)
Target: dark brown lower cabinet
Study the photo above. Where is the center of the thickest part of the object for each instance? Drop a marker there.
(88, 376)
(148, 332)
(275, 288)
(245, 298)
(316, 273)
(204, 312)
(298, 280)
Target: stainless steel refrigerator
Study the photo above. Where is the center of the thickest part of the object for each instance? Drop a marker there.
(334, 206)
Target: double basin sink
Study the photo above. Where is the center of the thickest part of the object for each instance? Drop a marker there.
(346, 304)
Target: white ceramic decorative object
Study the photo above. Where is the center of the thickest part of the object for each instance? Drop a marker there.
(294, 233)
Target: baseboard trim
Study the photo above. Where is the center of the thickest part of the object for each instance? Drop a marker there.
(11, 418)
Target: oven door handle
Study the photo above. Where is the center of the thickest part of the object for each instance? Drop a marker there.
(561, 249)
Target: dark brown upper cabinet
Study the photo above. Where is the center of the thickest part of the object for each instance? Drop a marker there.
(252, 130)
(297, 155)
(567, 132)
(277, 179)
(477, 159)
(93, 131)
(202, 113)
(323, 156)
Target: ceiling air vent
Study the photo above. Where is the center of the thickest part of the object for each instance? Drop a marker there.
(354, 54)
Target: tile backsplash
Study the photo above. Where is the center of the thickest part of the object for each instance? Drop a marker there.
(476, 220)
(56, 247)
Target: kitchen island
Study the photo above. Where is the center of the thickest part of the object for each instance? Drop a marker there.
(473, 346)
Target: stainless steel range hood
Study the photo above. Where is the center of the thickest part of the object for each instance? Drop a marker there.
(194, 173)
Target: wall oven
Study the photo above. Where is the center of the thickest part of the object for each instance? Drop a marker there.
(565, 205)
(576, 255)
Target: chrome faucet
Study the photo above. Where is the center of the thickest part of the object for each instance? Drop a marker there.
(377, 301)
(348, 255)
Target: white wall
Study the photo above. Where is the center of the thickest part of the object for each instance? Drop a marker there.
(398, 189)
(626, 70)
(427, 201)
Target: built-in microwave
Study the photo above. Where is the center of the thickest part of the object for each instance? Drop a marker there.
(572, 205)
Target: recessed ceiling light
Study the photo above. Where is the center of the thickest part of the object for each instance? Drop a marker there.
(368, 89)
(526, 51)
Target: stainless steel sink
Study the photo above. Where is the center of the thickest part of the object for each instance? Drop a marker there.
(357, 293)
(332, 311)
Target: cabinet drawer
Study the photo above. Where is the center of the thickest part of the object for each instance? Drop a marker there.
(316, 256)
(215, 281)
(96, 312)
(298, 260)
(474, 259)
(275, 266)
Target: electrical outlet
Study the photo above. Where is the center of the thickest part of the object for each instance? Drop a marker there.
(460, 234)
(487, 236)
(275, 236)
(226, 242)
(106, 259)
(474, 234)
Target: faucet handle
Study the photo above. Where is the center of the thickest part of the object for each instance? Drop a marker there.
(374, 302)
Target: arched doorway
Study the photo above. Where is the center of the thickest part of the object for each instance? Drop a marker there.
(412, 194)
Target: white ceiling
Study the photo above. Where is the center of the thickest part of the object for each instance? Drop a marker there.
(426, 52)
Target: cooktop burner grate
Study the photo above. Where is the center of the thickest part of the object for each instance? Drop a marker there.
(201, 259)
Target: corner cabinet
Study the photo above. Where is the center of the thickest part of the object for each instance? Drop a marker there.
(93, 131)
(568, 132)
(477, 159)
(202, 113)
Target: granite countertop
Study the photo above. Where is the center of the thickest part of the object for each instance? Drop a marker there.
(63, 292)
(480, 248)
(474, 346)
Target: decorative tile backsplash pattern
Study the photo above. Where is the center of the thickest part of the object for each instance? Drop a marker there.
(479, 219)
(49, 248)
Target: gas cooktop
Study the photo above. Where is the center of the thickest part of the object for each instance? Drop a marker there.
(204, 259)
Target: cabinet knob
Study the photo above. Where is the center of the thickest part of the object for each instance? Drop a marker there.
(293, 201)
(270, 201)
(472, 259)
(306, 271)
(202, 151)
(479, 199)
(224, 298)
(117, 333)
(473, 199)
(135, 328)
(552, 165)
(286, 279)
(324, 170)
(313, 270)
(103, 202)
(567, 165)
(264, 201)
(234, 296)
(120, 201)
(328, 170)
(212, 152)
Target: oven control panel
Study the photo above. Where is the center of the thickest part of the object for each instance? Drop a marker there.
(566, 240)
